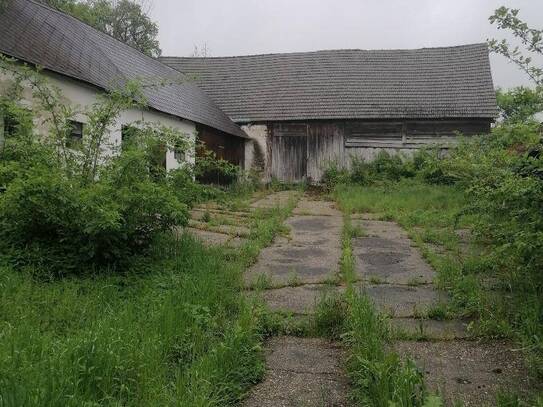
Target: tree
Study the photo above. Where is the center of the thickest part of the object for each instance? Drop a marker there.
(125, 20)
(531, 39)
(519, 104)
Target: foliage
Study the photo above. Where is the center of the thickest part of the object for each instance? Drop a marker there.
(380, 377)
(530, 38)
(178, 335)
(385, 167)
(65, 209)
(519, 104)
(125, 20)
(210, 168)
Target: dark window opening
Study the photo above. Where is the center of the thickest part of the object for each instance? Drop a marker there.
(128, 136)
(75, 138)
(179, 155)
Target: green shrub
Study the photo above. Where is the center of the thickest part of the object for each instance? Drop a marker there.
(211, 169)
(49, 220)
(66, 210)
(334, 175)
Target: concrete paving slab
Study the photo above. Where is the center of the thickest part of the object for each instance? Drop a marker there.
(231, 230)
(301, 372)
(307, 355)
(387, 255)
(316, 208)
(470, 372)
(298, 300)
(216, 239)
(274, 200)
(378, 228)
(311, 255)
(403, 301)
(429, 328)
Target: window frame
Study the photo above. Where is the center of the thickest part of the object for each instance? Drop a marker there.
(75, 138)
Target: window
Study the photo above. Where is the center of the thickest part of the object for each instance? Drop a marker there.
(179, 155)
(2, 137)
(76, 134)
(128, 134)
(8, 127)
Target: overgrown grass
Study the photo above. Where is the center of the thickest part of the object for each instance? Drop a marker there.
(175, 330)
(378, 374)
(435, 218)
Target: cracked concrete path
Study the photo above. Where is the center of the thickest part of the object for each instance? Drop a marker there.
(395, 276)
(215, 225)
(301, 372)
(309, 256)
(297, 271)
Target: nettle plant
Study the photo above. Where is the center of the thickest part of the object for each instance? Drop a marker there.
(69, 208)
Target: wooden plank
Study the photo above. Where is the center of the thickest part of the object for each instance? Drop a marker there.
(324, 144)
(289, 159)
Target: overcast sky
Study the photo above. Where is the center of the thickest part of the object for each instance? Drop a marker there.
(241, 27)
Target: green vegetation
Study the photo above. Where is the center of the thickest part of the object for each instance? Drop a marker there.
(173, 330)
(380, 376)
(476, 214)
(102, 303)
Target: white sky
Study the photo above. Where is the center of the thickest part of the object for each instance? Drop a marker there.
(240, 27)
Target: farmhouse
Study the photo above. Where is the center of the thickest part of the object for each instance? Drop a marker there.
(305, 109)
(287, 114)
(84, 62)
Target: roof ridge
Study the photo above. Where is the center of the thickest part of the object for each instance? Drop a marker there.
(166, 57)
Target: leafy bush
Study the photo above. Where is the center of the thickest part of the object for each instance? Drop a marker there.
(211, 169)
(334, 175)
(519, 104)
(385, 167)
(66, 210)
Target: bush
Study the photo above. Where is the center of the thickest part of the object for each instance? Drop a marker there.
(334, 175)
(47, 219)
(66, 210)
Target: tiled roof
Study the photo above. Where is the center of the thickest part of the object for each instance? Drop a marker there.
(35, 33)
(449, 82)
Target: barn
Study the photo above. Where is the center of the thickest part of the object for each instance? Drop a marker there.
(302, 110)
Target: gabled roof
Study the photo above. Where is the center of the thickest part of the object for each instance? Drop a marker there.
(40, 35)
(450, 82)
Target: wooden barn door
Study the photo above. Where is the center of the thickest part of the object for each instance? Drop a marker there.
(289, 152)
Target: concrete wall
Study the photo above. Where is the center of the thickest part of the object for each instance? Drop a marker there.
(80, 96)
(255, 149)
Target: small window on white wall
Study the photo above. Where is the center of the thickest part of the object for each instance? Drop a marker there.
(179, 155)
(2, 136)
(75, 138)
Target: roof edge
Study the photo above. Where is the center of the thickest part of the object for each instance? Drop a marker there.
(475, 44)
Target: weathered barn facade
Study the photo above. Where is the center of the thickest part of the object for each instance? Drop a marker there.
(303, 110)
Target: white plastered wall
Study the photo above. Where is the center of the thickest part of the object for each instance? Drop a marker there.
(255, 148)
(81, 96)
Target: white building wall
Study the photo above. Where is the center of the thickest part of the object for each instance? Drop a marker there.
(81, 96)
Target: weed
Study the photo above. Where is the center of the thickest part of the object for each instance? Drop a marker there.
(294, 280)
(206, 217)
(330, 312)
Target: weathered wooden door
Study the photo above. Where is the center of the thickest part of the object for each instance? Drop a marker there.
(289, 152)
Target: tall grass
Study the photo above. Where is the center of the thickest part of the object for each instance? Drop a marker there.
(434, 216)
(174, 331)
(379, 376)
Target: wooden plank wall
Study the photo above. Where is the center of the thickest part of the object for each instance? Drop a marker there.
(339, 141)
(225, 146)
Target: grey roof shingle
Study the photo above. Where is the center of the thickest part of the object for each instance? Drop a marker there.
(449, 82)
(35, 33)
